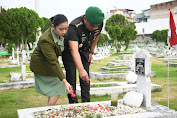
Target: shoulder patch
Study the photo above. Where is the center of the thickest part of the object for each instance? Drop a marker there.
(77, 25)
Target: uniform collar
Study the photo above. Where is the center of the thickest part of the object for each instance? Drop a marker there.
(59, 41)
(55, 38)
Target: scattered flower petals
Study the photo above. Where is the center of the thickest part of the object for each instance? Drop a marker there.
(88, 111)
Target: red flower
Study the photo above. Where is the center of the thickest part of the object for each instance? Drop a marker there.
(85, 112)
(73, 95)
(71, 91)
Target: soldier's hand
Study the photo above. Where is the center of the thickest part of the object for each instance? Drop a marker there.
(84, 75)
(90, 58)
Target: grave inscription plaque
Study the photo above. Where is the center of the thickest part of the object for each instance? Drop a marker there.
(140, 66)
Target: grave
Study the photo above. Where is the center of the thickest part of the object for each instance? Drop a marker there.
(121, 74)
(143, 62)
(101, 53)
(14, 61)
(173, 64)
(23, 66)
(17, 85)
(155, 111)
(108, 75)
(119, 87)
(115, 68)
(118, 64)
(147, 110)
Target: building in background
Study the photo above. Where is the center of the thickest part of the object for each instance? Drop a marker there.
(128, 13)
(142, 17)
(157, 18)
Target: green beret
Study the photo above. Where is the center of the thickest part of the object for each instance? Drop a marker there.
(94, 15)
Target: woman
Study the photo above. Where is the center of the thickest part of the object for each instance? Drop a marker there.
(49, 77)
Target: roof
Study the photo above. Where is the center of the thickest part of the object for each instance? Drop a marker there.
(123, 10)
(140, 15)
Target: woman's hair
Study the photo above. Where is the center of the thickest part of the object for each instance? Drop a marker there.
(58, 19)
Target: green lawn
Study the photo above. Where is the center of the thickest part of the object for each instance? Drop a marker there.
(5, 72)
(11, 100)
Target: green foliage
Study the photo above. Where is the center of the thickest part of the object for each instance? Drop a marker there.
(9, 48)
(160, 36)
(46, 23)
(147, 42)
(3, 15)
(20, 25)
(90, 115)
(120, 30)
(99, 116)
(102, 39)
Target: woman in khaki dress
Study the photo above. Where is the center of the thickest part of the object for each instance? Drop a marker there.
(49, 77)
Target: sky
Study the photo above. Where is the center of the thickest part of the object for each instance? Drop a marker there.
(74, 8)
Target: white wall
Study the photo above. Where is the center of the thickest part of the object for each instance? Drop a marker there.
(152, 25)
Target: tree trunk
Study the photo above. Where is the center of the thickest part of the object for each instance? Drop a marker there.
(25, 43)
(22, 44)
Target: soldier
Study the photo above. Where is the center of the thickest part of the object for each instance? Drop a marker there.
(80, 42)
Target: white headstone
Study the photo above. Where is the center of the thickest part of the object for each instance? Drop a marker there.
(135, 51)
(15, 76)
(23, 65)
(17, 56)
(143, 62)
(13, 55)
(31, 45)
(27, 52)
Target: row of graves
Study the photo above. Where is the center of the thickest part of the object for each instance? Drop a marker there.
(103, 52)
(136, 103)
(24, 79)
(166, 54)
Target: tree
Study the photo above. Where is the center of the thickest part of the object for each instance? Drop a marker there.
(164, 36)
(103, 38)
(120, 30)
(3, 15)
(160, 36)
(21, 25)
(46, 24)
(129, 33)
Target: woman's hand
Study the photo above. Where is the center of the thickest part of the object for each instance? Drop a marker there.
(67, 85)
(84, 75)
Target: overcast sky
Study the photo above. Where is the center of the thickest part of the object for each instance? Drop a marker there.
(74, 8)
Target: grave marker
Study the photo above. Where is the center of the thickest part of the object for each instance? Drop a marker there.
(143, 62)
(23, 65)
(13, 57)
(17, 57)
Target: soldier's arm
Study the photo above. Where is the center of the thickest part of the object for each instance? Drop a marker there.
(77, 60)
(94, 42)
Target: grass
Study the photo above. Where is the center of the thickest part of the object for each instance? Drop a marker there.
(14, 99)
(5, 72)
(102, 85)
(161, 70)
(116, 66)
